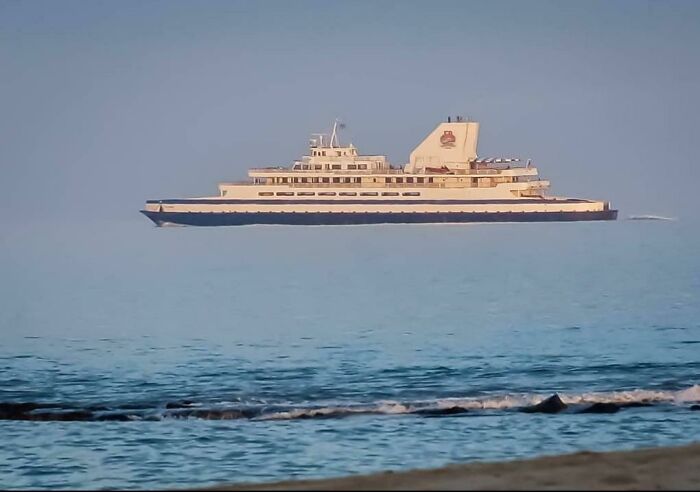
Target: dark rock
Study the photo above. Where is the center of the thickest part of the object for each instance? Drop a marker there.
(439, 412)
(553, 404)
(635, 404)
(18, 407)
(96, 408)
(695, 407)
(20, 411)
(72, 416)
(14, 411)
(602, 408)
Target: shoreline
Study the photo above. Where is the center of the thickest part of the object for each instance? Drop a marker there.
(662, 468)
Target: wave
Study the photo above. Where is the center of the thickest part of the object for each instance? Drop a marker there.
(607, 402)
(449, 406)
(649, 217)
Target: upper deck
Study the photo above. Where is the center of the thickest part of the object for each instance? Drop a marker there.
(452, 152)
(446, 158)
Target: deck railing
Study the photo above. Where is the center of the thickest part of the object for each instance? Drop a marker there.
(476, 171)
(369, 186)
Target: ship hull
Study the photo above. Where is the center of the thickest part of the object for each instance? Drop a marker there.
(355, 218)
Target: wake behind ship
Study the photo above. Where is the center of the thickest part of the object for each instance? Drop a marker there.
(445, 181)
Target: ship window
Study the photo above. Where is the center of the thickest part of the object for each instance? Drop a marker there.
(411, 193)
(475, 181)
(303, 180)
(297, 166)
(295, 180)
(409, 180)
(335, 166)
(305, 166)
(369, 193)
(430, 180)
(352, 166)
(318, 167)
(314, 180)
(285, 193)
(284, 180)
(387, 180)
(324, 152)
(325, 180)
(399, 180)
(306, 193)
(357, 180)
(338, 153)
(362, 166)
(419, 180)
(390, 193)
(326, 193)
(347, 193)
(223, 192)
(346, 180)
(265, 193)
(336, 180)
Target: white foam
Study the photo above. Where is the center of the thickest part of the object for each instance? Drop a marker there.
(393, 407)
(299, 413)
(632, 396)
(496, 402)
(689, 394)
(649, 217)
(620, 397)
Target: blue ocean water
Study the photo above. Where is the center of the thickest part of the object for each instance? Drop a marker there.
(249, 354)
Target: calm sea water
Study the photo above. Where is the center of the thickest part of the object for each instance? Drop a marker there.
(263, 353)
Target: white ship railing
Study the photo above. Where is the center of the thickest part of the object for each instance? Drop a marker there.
(379, 186)
(452, 172)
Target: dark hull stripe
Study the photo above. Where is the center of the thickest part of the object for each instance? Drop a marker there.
(353, 201)
(333, 218)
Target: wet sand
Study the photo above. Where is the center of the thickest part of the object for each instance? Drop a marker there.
(673, 468)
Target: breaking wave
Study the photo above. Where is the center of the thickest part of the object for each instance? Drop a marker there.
(649, 217)
(185, 409)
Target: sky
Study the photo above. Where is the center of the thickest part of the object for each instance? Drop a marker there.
(104, 104)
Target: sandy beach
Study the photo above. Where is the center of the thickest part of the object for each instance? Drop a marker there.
(674, 468)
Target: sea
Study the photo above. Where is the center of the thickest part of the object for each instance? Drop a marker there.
(140, 357)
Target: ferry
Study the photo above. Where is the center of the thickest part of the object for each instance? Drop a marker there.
(444, 181)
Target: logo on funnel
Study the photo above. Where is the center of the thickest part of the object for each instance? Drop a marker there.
(448, 139)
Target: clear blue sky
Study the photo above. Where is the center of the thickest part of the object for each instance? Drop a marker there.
(104, 104)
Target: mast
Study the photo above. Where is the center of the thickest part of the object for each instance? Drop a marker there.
(333, 141)
(334, 135)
